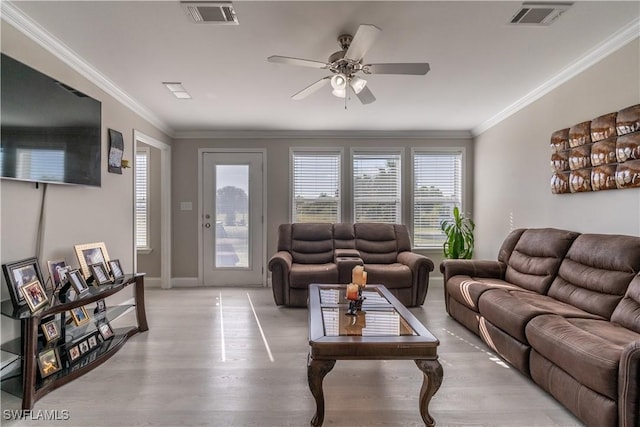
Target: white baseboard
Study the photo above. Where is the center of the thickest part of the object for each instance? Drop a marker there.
(185, 282)
(152, 282)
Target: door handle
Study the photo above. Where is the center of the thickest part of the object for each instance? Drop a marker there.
(207, 225)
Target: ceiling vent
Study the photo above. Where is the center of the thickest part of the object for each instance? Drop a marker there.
(539, 13)
(203, 12)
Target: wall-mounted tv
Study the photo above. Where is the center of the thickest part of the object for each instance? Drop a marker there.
(49, 131)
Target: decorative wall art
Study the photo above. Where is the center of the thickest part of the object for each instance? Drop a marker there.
(601, 154)
(116, 150)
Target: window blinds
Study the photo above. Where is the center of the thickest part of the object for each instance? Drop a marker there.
(142, 199)
(377, 187)
(316, 187)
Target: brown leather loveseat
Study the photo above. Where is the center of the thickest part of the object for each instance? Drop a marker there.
(564, 309)
(326, 253)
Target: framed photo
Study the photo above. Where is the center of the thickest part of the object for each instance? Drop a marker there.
(84, 346)
(116, 269)
(79, 315)
(49, 362)
(99, 273)
(77, 281)
(74, 353)
(92, 341)
(54, 268)
(51, 330)
(35, 295)
(91, 253)
(18, 274)
(105, 331)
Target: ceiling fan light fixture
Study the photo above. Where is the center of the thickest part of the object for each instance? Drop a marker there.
(357, 84)
(340, 93)
(339, 82)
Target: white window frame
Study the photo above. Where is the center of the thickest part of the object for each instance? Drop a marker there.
(308, 151)
(143, 249)
(463, 191)
(355, 151)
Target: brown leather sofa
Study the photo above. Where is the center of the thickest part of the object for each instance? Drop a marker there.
(564, 309)
(326, 253)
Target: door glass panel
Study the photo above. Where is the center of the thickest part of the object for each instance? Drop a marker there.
(232, 216)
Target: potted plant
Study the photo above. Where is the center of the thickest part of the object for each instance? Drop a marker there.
(459, 236)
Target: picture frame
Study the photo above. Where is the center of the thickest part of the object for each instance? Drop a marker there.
(116, 269)
(91, 253)
(116, 151)
(18, 274)
(79, 315)
(54, 268)
(74, 353)
(105, 330)
(77, 281)
(83, 346)
(50, 330)
(49, 362)
(35, 295)
(92, 341)
(99, 273)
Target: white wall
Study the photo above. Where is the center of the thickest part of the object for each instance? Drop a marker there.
(512, 172)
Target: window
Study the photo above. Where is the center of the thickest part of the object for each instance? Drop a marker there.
(316, 186)
(437, 188)
(377, 187)
(142, 198)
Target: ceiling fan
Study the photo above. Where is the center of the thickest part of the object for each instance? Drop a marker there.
(346, 63)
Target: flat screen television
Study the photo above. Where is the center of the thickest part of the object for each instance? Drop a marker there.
(49, 131)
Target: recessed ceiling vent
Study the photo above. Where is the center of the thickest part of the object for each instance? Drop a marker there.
(539, 13)
(203, 12)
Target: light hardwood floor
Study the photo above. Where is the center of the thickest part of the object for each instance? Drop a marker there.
(204, 363)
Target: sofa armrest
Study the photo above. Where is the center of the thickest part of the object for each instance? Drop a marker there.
(473, 268)
(280, 267)
(629, 385)
(345, 253)
(420, 267)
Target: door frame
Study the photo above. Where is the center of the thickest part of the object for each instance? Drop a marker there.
(201, 153)
(165, 206)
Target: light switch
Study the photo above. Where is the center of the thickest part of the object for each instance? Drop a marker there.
(186, 206)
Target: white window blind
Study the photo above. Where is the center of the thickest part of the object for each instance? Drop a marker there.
(316, 187)
(142, 198)
(377, 187)
(437, 188)
(40, 164)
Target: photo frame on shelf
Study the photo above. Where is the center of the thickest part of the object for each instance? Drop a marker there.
(77, 281)
(73, 353)
(54, 268)
(51, 330)
(92, 341)
(116, 269)
(105, 330)
(79, 315)
(49, 362)
(35, 295)
(84, 346)
(19, 273)
(91, 253)
(99, 273)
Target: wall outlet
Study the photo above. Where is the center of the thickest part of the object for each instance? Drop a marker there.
(186, 206)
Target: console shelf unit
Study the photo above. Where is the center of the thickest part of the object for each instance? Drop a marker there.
(27, 384)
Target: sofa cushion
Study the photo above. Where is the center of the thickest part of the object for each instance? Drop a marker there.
(376, 242)
(303, 274)
(393, 275)
(467, 290)
(312, 243)
(627, 313)
(512, 310)
(596, 272)
(343, 236)
(536, 257)
(587, 349)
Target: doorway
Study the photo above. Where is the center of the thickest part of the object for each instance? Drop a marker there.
(232, 213)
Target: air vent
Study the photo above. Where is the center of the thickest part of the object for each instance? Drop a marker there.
(539, 13)
(202, 12)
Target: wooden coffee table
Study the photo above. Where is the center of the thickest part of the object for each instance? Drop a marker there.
(383, 330)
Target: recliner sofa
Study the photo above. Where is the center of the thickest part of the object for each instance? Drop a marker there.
(564, 309)
(326, 253)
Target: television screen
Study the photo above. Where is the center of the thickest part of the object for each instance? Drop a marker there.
(49, 131)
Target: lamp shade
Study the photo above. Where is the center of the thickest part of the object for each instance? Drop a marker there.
(340, 93)
(357, 84)
(339, 81)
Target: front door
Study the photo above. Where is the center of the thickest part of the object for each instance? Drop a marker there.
(232, 218)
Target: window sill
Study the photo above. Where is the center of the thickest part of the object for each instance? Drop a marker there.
(144, 251)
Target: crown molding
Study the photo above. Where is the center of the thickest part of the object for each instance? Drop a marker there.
(321, 134)
(18, 19)
(618, 40)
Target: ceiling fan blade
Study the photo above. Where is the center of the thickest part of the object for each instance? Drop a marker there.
(362, 41)
(296, 61)
(366, 96)
(412, 68)
(311, 88)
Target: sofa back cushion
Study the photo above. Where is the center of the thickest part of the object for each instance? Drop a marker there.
(627, 313)
(536, 257)
(596, 272)
(506, 249)
(311, 243)
(344, 236)
(377, 243)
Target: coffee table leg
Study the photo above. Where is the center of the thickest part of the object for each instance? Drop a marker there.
(316, 371)
(431, 382)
